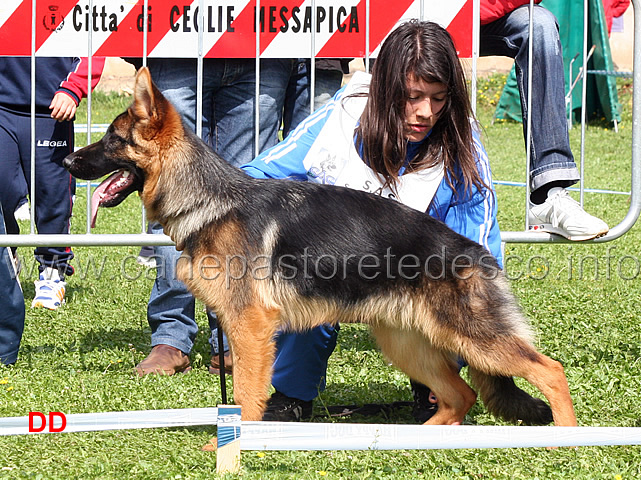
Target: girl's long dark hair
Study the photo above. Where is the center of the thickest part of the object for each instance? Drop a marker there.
(426, 51)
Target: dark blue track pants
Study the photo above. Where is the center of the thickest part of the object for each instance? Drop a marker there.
(54, 186)
(12, 309)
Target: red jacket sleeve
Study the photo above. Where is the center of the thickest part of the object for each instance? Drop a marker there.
(619, 7)
(614, 8)
(75, 85)
(494, 9)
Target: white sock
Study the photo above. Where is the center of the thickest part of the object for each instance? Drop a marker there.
(50, 273)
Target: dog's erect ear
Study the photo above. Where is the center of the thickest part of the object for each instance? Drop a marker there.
(145, 96)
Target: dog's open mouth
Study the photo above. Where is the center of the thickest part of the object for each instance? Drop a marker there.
(112, 191)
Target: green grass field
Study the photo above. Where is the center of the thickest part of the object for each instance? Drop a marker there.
(582, 300)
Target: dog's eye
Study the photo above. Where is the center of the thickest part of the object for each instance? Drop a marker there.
(118, 140)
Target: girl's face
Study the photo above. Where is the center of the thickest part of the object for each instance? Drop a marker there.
(423, 106)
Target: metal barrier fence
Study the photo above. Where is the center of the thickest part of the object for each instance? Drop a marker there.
(142, 238)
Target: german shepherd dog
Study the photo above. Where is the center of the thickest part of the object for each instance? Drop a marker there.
(272, 255)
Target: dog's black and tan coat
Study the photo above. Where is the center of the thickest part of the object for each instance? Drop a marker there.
(268, 255)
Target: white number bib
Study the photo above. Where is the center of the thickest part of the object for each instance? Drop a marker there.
(333, 159)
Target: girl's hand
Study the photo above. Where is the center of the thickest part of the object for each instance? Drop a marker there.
(63, 107)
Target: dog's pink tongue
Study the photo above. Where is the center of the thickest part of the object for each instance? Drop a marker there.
(99, 193)
(95, 202)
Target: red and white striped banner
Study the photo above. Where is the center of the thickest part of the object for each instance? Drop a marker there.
(288, 28)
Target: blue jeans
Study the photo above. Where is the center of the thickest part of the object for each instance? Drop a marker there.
(228, 127)
(11, 306)
(296, 109)
(552, 159)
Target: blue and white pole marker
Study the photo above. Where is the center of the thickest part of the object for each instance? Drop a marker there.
(229, 425)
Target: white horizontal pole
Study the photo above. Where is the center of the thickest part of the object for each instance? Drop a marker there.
(87, 240)
(350, 436)
(94, 422)
(343, 436)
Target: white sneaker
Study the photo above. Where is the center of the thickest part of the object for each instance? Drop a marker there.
(563, 215)
(23, 212)
(50, 290)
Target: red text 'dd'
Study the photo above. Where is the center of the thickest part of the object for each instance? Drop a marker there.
(52, 423)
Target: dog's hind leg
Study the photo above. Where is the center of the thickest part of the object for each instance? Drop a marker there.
(550, 379)
(414, 355)
(251, 335)
(495, 339)
(518, 358)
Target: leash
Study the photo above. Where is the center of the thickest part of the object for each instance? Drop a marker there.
(367, 410)
(221, 360)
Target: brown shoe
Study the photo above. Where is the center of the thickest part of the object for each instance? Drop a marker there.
(214, 367)
(163, 360)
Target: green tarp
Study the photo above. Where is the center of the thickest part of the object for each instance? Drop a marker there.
(602, 99)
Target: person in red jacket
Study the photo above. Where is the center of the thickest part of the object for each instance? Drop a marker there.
(60, 85)
(614, 9)
(505, 31)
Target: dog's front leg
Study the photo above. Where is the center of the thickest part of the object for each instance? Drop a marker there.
(251, 336)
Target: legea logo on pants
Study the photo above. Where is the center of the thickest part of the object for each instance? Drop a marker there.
(51, 143)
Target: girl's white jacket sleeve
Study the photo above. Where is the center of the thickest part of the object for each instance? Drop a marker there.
(285, 159)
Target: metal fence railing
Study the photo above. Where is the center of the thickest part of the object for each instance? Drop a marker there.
(142, 238)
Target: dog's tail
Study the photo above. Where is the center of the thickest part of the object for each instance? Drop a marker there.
(504, 399)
